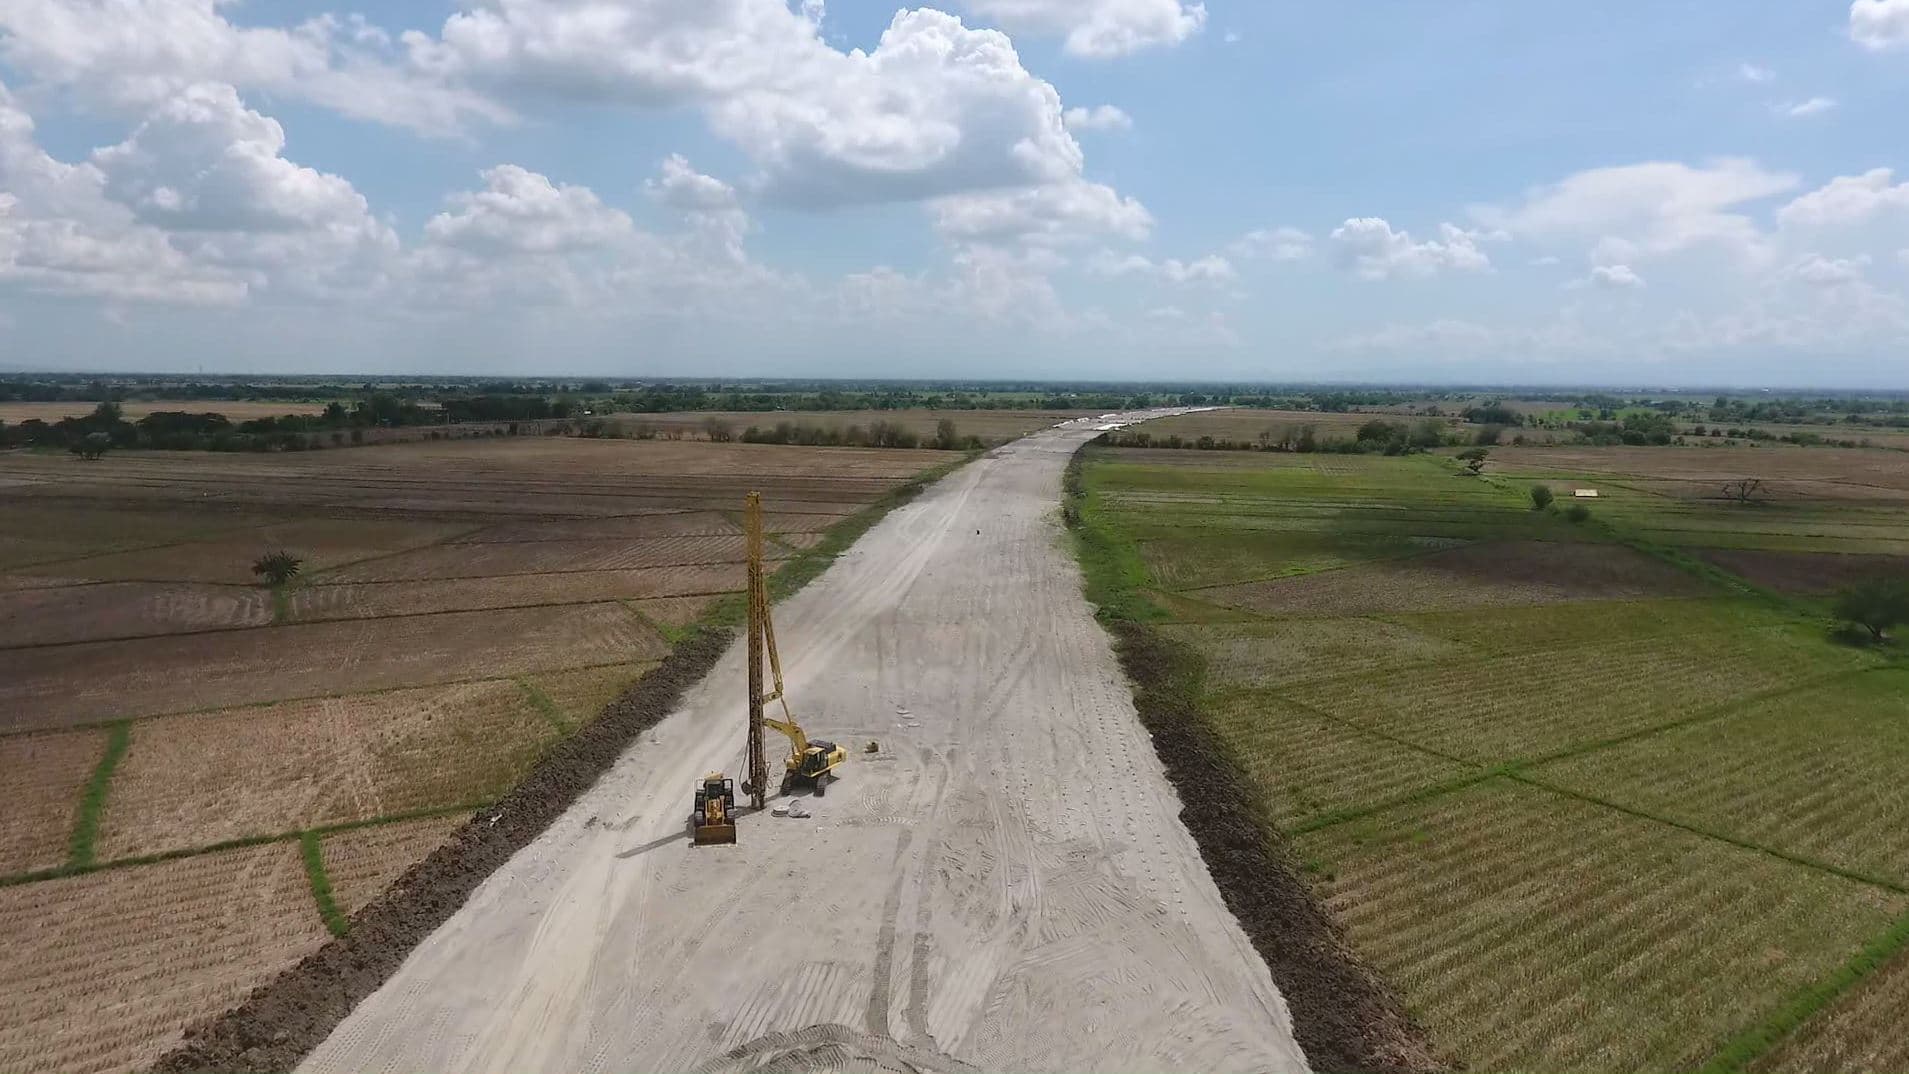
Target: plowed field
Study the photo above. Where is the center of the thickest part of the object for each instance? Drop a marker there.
(460, 609)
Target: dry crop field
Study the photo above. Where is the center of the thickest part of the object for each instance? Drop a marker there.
(235, 409)
(205, 776)
(1587, 797)
(992, 426)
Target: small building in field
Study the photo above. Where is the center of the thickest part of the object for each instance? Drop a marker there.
(1585, 494)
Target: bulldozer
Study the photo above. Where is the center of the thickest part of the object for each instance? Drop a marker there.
(810, 761)
(713, 823)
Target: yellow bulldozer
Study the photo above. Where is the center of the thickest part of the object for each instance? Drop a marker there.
(713, 823)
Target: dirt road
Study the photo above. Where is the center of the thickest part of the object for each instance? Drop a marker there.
(1005, 886)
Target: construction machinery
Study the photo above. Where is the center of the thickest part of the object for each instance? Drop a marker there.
(810, 761)
(714, 821)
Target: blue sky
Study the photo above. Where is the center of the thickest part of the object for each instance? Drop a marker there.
(1699, 192)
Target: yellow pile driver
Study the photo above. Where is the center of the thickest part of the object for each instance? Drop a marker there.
(811, 761)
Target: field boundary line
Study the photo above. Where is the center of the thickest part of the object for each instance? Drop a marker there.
(312, 850)
(1742, 844)
(1723, 711)
(1519, 767)
(545, 707)
(1759, 1040)
(85, 835)
(240, 843)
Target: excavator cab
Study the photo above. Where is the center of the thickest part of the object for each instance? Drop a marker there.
(713, 823)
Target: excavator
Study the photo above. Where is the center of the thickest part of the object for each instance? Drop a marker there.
(810, 762)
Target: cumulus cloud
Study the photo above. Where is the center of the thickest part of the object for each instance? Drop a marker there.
(520, 211)
(683, 187)
(1847, 199)
(1044, 215)
(1755, 73)
(1273, 244)
(1212, 268)
(1370, 247)
(1819, 271)
(204, 162)
(1814, 106)
(1644, 210)
(1615, 277)
(1098, 29)
(1103, 117)
(132, 54)
(1879, 24)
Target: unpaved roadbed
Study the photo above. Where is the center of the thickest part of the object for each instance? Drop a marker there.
(1004, 886)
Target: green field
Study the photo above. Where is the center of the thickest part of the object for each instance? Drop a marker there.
(1584, 801)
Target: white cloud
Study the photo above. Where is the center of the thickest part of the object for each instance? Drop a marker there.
(1650, 209)
(1819, 271)
(1879, 24)
(1274, 244)
(1212, 268)
(1060, 213)
(1099, 118)
(520, 211)
(1755, 73)
(935, 109)
(132, 54)
(1098, 28)
(1815, 106)
(683, 187)
(196, 206)
(1847, 199)
(1615, 277)
(1369, 246)
(204, 162)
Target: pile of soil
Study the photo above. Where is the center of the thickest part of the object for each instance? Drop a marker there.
(1344, 1017)
(284, 1019)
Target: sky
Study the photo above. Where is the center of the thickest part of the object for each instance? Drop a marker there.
(1662, 193)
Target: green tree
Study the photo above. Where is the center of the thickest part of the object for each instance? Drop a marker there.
(1541, 497)
(1878, 606)
(93, 445)
(277, 568)
(1474, 459)
(1578, 513)
(947, 437)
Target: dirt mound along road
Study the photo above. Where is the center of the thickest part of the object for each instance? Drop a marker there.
(1005, 886)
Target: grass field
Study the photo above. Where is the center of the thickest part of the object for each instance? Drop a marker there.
(208, 777)
(1585, 797)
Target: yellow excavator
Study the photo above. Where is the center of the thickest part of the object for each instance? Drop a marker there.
(810, 761)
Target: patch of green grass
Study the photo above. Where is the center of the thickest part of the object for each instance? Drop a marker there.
(541, 703)
(1115, 577)
(1887, 1046)
(312, 850)
(80, 846)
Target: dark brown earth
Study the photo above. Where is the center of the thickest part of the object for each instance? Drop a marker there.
(1344, 1017)
(286, 1018)
(1806, 573)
